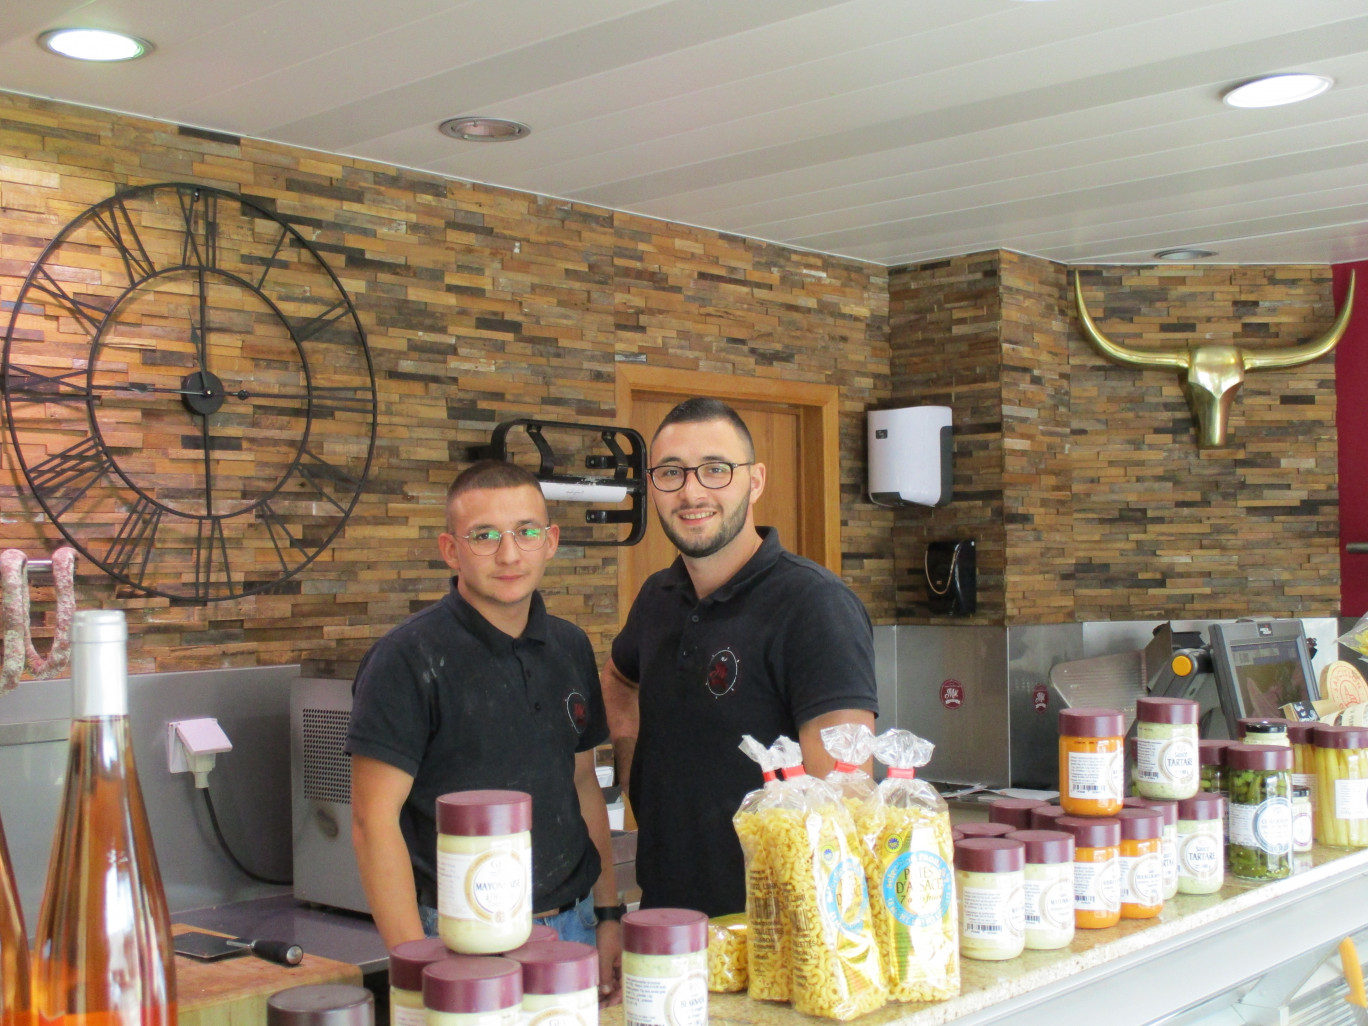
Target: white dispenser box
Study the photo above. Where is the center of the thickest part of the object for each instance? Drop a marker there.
(910, 456)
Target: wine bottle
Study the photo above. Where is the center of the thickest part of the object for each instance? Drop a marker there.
(15, 980)
(103, 943)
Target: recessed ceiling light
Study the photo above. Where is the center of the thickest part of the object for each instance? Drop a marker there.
(94, 44)
(1184, 253)
(1275, 90)
(483, 129)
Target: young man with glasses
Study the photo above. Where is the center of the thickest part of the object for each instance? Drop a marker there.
(485, 690)
(737, 637)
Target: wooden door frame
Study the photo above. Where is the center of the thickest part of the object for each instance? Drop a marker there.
(818, 409)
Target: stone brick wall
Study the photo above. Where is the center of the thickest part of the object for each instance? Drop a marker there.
(480, 305)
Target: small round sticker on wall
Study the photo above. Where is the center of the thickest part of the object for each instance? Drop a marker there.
(951, 694)
(1040, 698)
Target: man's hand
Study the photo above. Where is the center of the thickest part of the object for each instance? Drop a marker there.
(608, 939)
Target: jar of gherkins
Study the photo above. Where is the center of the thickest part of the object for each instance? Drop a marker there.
(1260, 839)
(1211, 755)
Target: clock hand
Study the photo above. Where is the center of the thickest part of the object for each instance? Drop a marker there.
(137, 386)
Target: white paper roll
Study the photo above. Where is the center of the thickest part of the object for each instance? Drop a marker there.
(561, 491)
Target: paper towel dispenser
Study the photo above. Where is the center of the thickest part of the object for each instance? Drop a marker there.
(910, 456)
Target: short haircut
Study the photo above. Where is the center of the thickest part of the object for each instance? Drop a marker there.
(488, 474)
(699, 410)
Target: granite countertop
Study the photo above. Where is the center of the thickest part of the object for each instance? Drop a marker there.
(989, 984)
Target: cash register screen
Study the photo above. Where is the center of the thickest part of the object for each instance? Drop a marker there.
(1260, 667)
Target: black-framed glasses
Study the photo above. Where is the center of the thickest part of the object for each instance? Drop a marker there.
(670, 477)
(486, 540)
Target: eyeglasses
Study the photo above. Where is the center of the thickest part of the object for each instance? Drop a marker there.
(671, 478)
(486, 541)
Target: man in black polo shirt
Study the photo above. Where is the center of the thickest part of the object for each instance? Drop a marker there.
(485, 690)
(737, 637)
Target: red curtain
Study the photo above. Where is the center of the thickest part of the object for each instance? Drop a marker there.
(1351, 422)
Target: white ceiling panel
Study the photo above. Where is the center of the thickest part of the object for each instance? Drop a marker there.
(887, 130)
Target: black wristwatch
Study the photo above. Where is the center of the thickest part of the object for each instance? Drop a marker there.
(609, 913)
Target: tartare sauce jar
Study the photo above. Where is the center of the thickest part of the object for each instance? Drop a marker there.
(990, 879)
(1259, 843)
(1048, 888)
(1097, 870)
(484, 870)
(406, 964)
(1262, 730)
(1015, 812)
(665, 967)
(473, 992)
(1168, 840)
(559, 983)
(1043, 818)
(1091, 762)
(980, 828)
(1166, 763)
(1201, 843)
(1142, 863)
(1211, 755)
(1342, 779)
(321, 1004)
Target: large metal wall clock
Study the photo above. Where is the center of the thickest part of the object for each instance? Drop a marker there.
(189, 392)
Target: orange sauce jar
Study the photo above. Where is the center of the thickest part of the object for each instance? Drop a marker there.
(1097, 870)
(1091, 763)
(1142, 863)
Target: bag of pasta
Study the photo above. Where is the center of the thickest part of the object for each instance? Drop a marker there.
(766, 939)
(851, 745)
(815, 857)
(727, 953)
(909, 859)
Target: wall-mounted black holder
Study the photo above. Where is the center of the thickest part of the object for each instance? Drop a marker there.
(625, 458)
(951, 577)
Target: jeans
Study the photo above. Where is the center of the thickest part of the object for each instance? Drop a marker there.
(576, 924)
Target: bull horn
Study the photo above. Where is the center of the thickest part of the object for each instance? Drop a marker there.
(1293, 356)
(1136, 357)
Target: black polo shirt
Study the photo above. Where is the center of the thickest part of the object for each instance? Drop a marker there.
(782, 642)
(452, 700)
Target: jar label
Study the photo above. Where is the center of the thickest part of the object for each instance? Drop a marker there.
(1303, 838)
(1142, 879)
(493, 886)
(1049, 903)
(664, 1000)
(404, 1016)
(1097, 885)
(580, 1009)
(1170, 761)
(1096, 776)
(1200, 857)
(992, 913)
(917, 887)
(1351, 799)
(1266, 826)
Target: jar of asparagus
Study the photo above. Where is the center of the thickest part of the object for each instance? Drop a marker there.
(1341, 808)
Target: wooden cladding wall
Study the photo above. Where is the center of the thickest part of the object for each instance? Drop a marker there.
(1088, 495)
(480, 305)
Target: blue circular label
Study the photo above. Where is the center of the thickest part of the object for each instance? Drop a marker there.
(846, 897)
(917, 888)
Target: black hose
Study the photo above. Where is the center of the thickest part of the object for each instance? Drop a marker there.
(223, 843)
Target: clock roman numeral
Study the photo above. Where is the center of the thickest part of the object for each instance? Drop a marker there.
(319, 472)
(270, 262)
(275, 523)
(303, 330)
(117, 224)
(29, 386)
(131, 548)
(337, 399)
(64, 477)
(199, 208)
(90, 314)
(210, 547)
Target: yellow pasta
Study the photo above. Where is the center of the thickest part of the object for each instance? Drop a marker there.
(767, 942)
(727, 953)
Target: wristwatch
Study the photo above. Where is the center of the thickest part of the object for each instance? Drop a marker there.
(609, 913)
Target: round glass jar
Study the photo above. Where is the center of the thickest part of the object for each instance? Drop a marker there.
(979, 828)
(406, 964)
(1168, 840)
(1091, 763)
(990, 879)
(559, 983)
(1259, 842)
(1142, 863)
(1342, 783)
(1303, 831)
(1048, 887)
(320, 1004)
(1211, 756)
(1043, 818)
(1262, 730)
(1201, 843)
(473, 992)
(665, 967)
(1015, 812)
(484, 870)
(1097, 870)
(1166, 763)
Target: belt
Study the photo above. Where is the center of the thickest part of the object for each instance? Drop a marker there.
(557, 911)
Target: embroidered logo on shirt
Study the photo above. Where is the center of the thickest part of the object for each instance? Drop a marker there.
(723, 669)
(577, 708)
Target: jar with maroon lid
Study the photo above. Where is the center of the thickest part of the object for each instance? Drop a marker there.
(1142, 863)
(1043, 818)
(321, 1004)
(989, 875)
(1201, 843)
(665, 967)
(1015, 812)
(981, 829)
(1341, 804)
(484, 870)
(1168, 841)
(473, 992)
(1211, 755)
(1259, 841)
(406, 964)
(1166, 763)
(1091, 762)
(1097, 869)
(559, 982)
(1048, 888)
(1262, 730)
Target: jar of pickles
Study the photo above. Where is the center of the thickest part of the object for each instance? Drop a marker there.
(1091, 763)
(1342, 782)
(1211, 755)
(1260, 835)
(1166, 763)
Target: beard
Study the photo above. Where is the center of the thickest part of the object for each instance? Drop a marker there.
(729, 525)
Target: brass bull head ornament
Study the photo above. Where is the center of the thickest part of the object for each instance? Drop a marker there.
(1212, 374)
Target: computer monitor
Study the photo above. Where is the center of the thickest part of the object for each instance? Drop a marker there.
(1261, 665)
